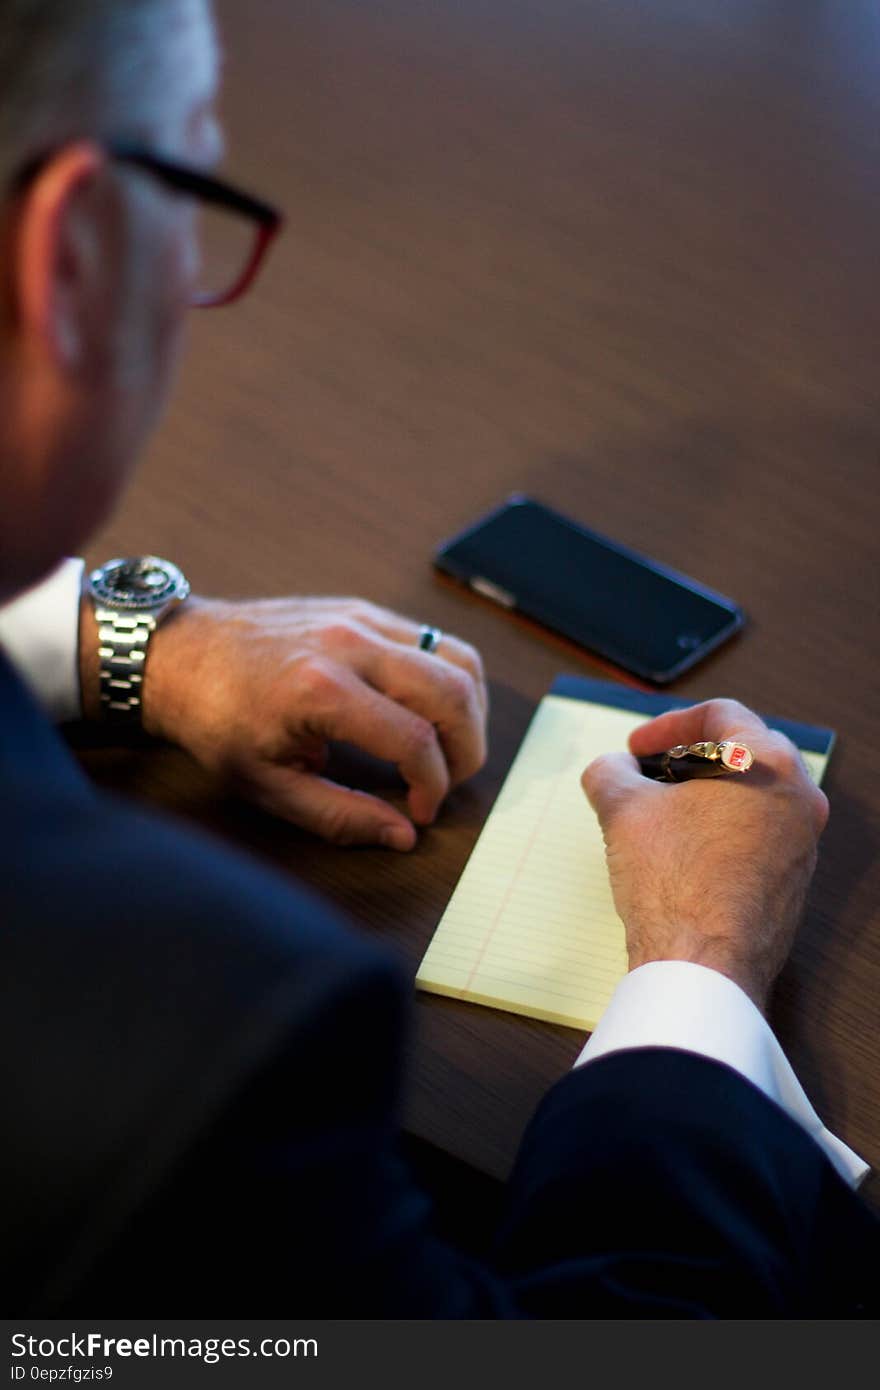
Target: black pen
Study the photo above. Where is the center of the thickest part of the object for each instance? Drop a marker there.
(685, 762)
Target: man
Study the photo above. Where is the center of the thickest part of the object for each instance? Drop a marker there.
(200, 1062)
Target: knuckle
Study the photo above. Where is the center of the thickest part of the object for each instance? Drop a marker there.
(471, 759)
(785, 758)
(459, 691)
(728, 714)
(592, 775)
(727, 706)
(421, 739)
(360, 610)
(790, 762)
(420, 734)
(594, 769)
(731, 710)
(341, 636)
(318, 681)
(334, 825)
(473, 658)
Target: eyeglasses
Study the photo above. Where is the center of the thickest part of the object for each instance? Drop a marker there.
(234, 230)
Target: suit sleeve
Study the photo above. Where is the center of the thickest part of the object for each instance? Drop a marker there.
(206, 1093)
(296, 1202)
(650, 1184)
(675, 1003)
(655, 1182)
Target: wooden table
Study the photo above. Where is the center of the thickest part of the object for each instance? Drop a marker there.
(620, 254)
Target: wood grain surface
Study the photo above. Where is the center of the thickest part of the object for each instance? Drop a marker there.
(621, 254)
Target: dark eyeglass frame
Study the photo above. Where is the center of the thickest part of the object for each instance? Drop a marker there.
(187, 180)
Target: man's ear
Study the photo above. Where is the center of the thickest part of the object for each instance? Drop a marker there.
(53, 264)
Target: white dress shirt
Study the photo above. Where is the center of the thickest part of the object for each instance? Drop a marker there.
(39, 631)
(674, 1003)
(664, 1004)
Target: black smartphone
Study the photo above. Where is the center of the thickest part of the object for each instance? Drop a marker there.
(633, 611)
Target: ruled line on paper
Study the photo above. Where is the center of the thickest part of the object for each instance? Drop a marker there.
(531, 926)
(537, 877)
(514, 879)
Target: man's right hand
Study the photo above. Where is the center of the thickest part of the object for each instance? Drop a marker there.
(716, 871)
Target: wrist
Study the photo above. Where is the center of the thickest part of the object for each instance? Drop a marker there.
(172, 659)
(712, 954)
(170, 650)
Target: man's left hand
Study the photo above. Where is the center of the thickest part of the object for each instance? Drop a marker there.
(257, 691)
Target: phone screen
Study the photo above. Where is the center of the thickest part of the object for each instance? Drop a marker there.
(632, 610)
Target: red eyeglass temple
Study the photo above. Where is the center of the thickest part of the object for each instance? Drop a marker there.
(264, 238)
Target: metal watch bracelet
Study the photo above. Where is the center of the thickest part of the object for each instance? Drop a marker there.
(123, 639)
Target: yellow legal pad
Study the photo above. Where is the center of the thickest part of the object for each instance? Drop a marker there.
(531, 925)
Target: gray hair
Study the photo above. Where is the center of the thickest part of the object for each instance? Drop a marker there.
(80, 68)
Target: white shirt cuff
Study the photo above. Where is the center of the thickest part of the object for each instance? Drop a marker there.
(39, 631)
(679, 1004)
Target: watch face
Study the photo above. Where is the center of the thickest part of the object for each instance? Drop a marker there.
(144, 583)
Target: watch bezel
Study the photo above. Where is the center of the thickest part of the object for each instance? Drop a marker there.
(175, 588)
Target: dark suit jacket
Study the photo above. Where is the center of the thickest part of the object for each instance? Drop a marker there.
(200, 1072)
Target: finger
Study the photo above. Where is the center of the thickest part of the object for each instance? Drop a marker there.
(443, 694)
(611, 779)
(785, 761)
(407, 633)
(338, 814)
(345, 708)
(713, 719)
(463, 655)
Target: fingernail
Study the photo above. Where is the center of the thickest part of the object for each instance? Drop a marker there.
(399, 837)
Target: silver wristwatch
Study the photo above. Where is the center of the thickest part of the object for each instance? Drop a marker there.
(131, 597)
